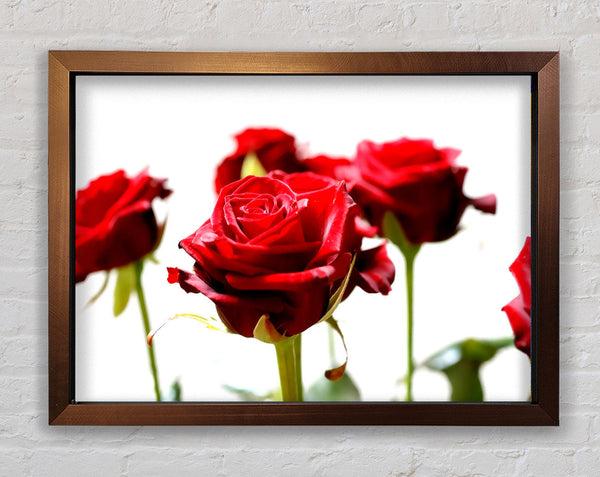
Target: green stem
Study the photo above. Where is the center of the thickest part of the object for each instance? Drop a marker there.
(290, 368)
(139, 266)
(410, 261)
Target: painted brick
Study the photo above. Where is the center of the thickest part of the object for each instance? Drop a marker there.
(380, 17)
(91, 463)
(561, 462)
(16, 462)
(587, 461)
(189, 462)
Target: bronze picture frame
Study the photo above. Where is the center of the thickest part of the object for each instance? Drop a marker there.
(542, 67)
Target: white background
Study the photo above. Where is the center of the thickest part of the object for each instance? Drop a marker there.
(182, 126)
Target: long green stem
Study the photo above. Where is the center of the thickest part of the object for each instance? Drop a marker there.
(410, 261)
(139, 266)
(290, 368)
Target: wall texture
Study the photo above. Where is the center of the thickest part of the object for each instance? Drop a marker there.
(29, 28)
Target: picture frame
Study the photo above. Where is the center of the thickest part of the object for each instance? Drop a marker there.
(541, 67)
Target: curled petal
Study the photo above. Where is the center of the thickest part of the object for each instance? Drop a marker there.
(520, 322)
(486, 204)
(521, 270)
(374, 272)
(519, 309)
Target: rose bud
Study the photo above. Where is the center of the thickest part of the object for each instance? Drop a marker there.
(519, 309)
(278, 246)
(114, 221)
(417, 182)
(274, 149)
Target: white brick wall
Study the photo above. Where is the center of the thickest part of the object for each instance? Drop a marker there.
(30, 28)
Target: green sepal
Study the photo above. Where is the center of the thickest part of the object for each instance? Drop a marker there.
(460, 362)
(393, 231)
(252, 166)
(152, 258)
(101, 291)
(336, 373)
(336, 298)
(267, 333)
(160, 229)
(211, 323)
(124, 286)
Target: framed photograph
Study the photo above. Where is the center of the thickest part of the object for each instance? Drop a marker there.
(303, 238)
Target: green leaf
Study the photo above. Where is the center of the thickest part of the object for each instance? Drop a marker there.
(323, 389)
(123, 288)
(252, 166)
(461, 362)
(176, 391)
(393, 231)
(465, 382)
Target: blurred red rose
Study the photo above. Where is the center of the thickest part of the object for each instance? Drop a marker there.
(114, 221)
(413, 179)
(274, 149)
(519, 309)
(278, 245)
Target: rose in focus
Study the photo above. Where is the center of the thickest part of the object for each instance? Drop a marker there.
(417, 182)
(274, 149)
(280, 246)
(519, 309)
(114, 221)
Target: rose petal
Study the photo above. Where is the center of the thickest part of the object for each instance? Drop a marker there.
(521, 270)
(93, 202)
(520, 322)
(339, 232)
(486, 204)
(296, 281)
(192, 283)
(374, 272)
(141, 187)
(327, 166)
(287, 231)
(274, 149)
(121, 239)
(279, 258)
(201, 247)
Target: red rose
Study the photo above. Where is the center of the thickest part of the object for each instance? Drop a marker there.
(419, 183)
(373, 271)
(274, 149)
(114, 221)
(276, 247)
(519, 309)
